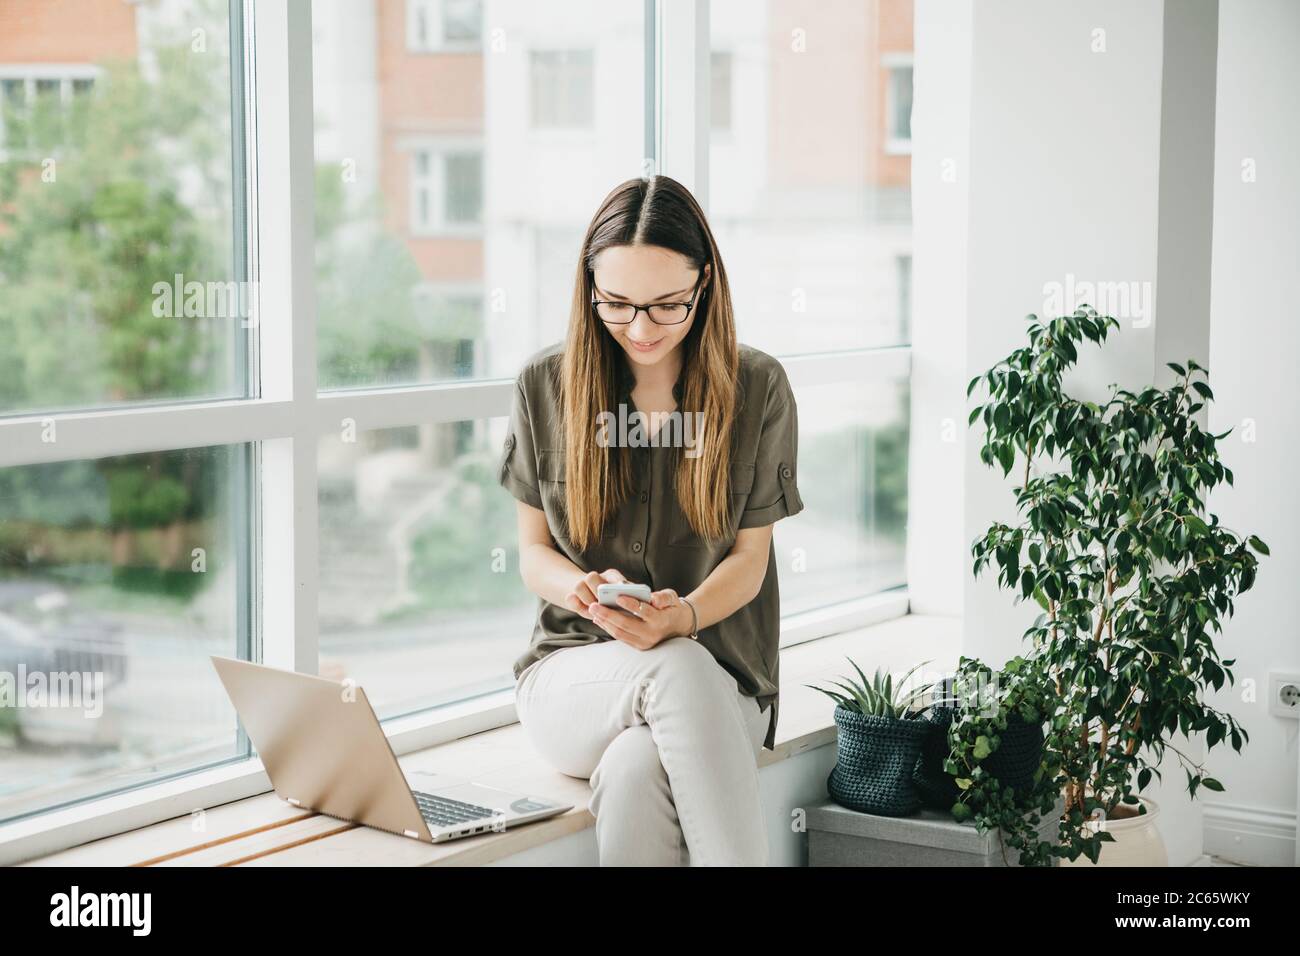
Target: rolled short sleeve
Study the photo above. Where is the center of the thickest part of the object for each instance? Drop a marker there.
(775, 493)
(518, 470)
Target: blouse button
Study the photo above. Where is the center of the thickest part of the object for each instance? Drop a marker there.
(645, 496)
(636, 547)
(785, 472)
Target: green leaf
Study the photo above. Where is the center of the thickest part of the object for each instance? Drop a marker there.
(982, 748)
(961, 813)
(1006, 457)
(1258, 545)
(1209, 783)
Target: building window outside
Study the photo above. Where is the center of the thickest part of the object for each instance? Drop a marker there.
(446, 190)
(444, 26)
(898, 104)
(563, 89)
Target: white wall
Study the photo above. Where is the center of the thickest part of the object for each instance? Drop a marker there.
(1090, 161)
(1254, 347)
(1064, 181)
(936, 533)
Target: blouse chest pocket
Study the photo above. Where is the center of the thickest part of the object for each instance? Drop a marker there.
(552, 486)
(740, 482)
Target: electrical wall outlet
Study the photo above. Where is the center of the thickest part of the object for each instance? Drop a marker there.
(1284, 695)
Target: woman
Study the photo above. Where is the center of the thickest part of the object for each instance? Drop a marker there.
(652, 448)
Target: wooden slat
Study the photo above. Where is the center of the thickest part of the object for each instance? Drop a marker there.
(178, 835)
(175, 854)
(259, 842)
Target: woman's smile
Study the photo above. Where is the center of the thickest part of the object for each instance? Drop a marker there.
(646, 346)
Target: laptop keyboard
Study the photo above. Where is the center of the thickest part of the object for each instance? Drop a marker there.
(441, 812)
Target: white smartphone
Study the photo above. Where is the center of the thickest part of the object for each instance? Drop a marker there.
(608, 594)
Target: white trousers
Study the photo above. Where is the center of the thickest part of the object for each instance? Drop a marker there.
(668, 742)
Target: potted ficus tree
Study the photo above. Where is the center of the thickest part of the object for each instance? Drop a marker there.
(1133, 576)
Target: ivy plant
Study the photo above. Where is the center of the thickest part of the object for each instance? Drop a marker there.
(984, 704)
(1114, 543)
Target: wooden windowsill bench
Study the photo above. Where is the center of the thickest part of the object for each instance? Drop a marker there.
(266, 831)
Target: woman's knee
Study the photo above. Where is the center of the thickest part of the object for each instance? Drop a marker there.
(630, 763)
(685, 669)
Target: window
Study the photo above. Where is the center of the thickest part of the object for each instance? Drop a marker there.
(446, 190)
(563, 89)
(153, 303)
(898, 109)
(230, 427)
(814, 220)
(118, 577)
(420, 596)
(427, 180)
(126, 525)
(439, 260)
(849, 539)
(443, 26)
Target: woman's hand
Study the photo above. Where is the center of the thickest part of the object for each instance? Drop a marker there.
(649, 623)
(583, 594)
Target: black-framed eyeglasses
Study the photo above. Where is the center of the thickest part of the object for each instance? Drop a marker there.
(661, 313)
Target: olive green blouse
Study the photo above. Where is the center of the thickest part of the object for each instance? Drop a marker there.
(649, 538)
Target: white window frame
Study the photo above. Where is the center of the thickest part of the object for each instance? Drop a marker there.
(288, 416)
(891, 63)
(438, 149)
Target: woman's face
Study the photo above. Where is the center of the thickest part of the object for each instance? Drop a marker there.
(647, 275)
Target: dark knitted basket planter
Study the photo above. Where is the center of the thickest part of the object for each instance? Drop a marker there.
(875, 758)
(1013, 764)
(937, 788)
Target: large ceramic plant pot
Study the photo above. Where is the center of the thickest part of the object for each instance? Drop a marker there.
(875, 757)
(1137, 841)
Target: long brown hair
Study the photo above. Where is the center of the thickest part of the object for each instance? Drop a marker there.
(653, 211)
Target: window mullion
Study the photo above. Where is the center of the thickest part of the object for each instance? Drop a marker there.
(285, 270)
(684, 88)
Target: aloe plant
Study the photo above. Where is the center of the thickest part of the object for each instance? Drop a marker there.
(880, 696)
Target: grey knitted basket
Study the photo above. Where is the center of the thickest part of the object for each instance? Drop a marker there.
(875, 758)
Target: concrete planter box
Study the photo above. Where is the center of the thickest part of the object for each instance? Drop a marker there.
(841, 837)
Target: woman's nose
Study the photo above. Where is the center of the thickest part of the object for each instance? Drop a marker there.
(642, 329)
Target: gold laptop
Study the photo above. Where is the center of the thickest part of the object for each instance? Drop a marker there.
(324, 750)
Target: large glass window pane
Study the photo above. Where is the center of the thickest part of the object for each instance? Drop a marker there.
(119, 270)
(118, 578)
(850, 538)
(809, 191)
(420, 596)
(455, 179)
